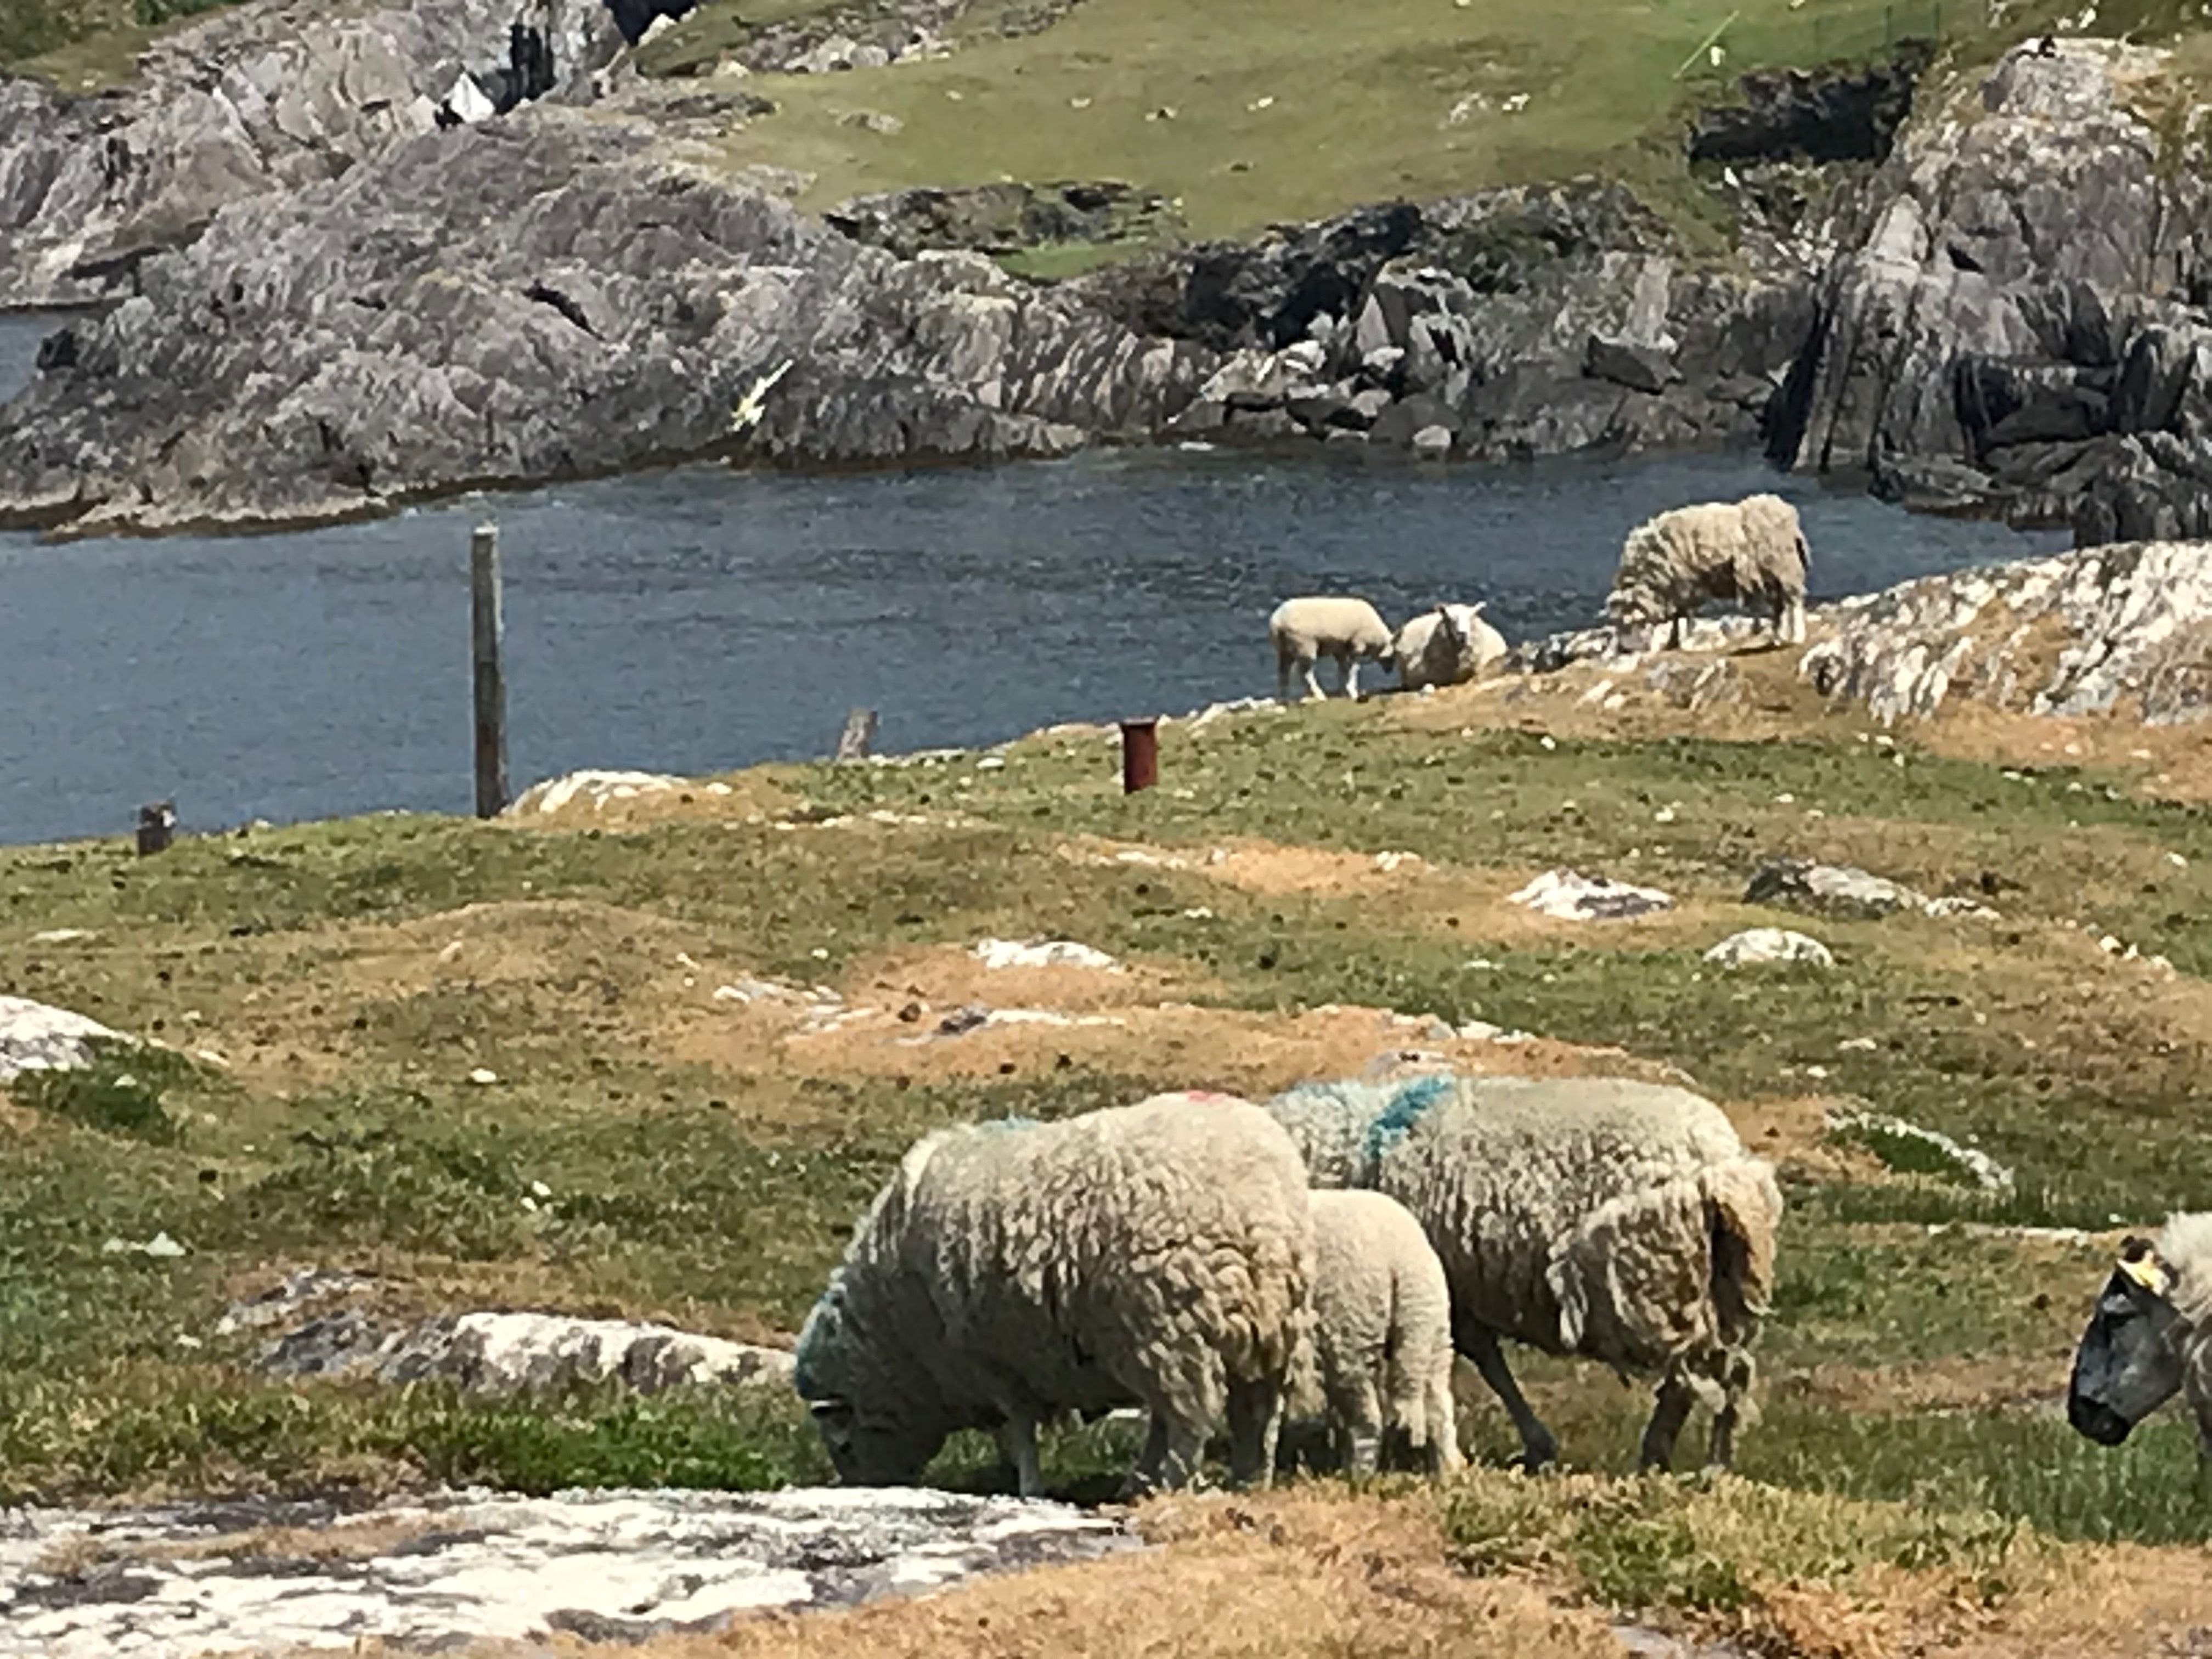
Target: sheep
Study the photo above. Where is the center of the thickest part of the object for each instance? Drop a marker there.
(1381, 1357)
(1447, 646)
(1158, 1254)
(1344, 630)
(2149, 1338)
(1619, 1220)
(1751, 551)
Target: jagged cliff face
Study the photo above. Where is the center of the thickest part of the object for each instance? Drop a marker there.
(2015, 326)
(544, 296)
(270, 98)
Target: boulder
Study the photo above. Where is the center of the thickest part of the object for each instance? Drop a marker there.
(1770, 945)
(1640, 368)
(1834, 889)
(34, 1037)
(1571, 895)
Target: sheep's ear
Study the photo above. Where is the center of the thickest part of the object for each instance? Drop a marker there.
(1475, 610)
(2140, 1263)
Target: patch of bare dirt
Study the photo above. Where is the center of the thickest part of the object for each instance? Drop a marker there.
(1794, 1134)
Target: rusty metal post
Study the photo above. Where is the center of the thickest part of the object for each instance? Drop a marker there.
(1141, 755)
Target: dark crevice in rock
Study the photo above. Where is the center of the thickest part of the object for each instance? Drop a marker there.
(1834, 116)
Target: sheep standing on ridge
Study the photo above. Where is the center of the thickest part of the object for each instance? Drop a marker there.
(1158, 1254)
(1307, 629)
(2150, 1337)
(1380, 1360)
(1447, 646)
(1751, 551)
(1618, 1220)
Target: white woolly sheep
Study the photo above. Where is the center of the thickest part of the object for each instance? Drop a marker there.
(2149, 1338)
(1618, 1220)
(1447, 646)
(1346, 631)
(1751, 551)
(1380, 1363)
(1158, 1254)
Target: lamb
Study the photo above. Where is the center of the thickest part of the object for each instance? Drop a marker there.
(1381, 1358)
(1344, 630)
(1619, 1220)
(2149, 1338)
(1158, 1254)
(1447, 646)
(1751, 551)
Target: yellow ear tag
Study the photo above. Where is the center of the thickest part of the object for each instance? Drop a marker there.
(2149, 1273)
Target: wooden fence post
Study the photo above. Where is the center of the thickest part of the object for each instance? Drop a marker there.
(859, 732)
(486, 632)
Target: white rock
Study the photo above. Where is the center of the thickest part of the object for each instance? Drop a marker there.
(1048, 953)
(1572, 896)
(1979, 1166)
(462, 1568)
(467, 103)
(483, 1077)
(1757, 944)
(34, 1037)
(62, 936)
(595, 789)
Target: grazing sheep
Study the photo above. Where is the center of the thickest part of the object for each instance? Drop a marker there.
(1344, 630)
(1618, 1220)
(1447, 646)
(2149, 1338)
(1381, 1359)
(1751, 551)
(1156, 1255)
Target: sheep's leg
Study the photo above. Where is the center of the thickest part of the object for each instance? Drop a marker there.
(1306, 665)
(1539, 1445)
(1668, 1414)
(1145, 1475)
(1358, 1414)
(1442, 1449)
(1255, 1417)
(1674, 632)
(1018, 1444)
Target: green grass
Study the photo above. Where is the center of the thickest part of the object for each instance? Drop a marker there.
(607, 1174)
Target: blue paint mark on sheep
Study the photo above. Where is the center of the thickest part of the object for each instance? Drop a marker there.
(1407, 1108)
(1009, 1123)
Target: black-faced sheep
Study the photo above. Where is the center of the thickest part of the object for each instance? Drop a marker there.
(1346, 631)
(1159, 1255)
(1447, 646)
(2149, 1338)
(1618, 1220)
(1751, 552)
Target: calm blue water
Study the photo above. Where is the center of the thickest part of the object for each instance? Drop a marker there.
(703, 618)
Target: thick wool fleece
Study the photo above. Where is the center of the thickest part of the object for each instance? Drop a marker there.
(1617, 1219)
(1156, 1255)
(1382, 1342)
(1751, 551)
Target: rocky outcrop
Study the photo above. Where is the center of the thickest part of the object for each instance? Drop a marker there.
(2017, 331)
(1006, 218)
(2124, 629)
(36, 1038)
(275, 95)
(1507, 323)
(545, 296)
(1788, 115)
(451, 1571)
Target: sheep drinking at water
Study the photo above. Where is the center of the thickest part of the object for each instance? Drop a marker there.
(1751, 551)
(1380, 1365)
(2149, 1338)
(1447, 646)
(1346, 631)
(1158, 1254)
(1619, 1220)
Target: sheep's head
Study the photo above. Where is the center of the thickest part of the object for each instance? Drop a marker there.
(2127, 1363)
(1633, 607)
(878, 1426)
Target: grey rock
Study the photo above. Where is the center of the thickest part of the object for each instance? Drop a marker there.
(270, 96)
(491, 303)
(1433, 442)
(1640, 368)
(2081, 633)
(1005, 218)
(1405, 420)
(454, 1568)
(1789, 114)
(2015, 299)
(1837, 890)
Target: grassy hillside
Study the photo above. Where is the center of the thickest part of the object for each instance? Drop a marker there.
(652, 1149)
